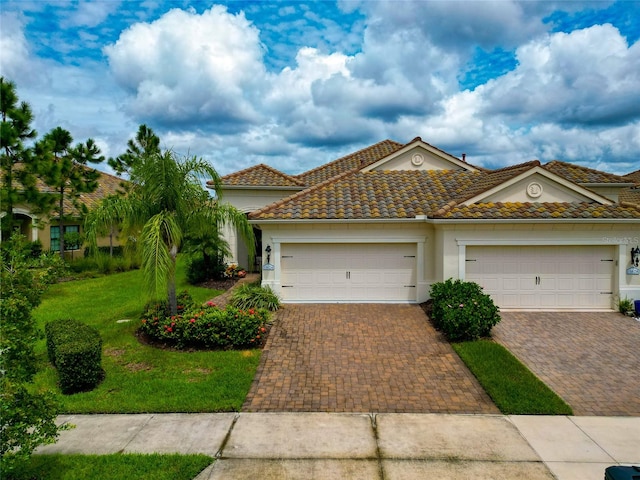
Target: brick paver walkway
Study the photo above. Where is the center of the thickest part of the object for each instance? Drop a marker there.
(361, 358)
(590, 359)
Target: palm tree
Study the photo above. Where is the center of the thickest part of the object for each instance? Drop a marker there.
(165, 203)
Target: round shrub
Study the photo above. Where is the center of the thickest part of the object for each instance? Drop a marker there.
(208, 326)
(462, 311)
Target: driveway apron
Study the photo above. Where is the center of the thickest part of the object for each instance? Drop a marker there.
(361, 358)
(590, 359)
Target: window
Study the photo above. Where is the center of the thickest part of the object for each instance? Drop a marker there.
(55, 237)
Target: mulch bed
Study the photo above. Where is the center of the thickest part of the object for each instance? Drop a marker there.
(224, 284)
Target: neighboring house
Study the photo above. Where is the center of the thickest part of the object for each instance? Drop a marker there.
(386, 222)
(47, 230)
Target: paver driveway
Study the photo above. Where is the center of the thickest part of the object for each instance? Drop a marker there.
(590, 359)
(361, 358)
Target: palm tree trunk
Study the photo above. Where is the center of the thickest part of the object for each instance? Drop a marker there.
(173, 300)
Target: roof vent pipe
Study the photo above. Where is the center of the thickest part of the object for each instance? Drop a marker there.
(464, 157)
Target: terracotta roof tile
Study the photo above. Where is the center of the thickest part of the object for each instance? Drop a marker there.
(107, 185)
(541, 211)
(630, 195)
(493, 178)
(371, 195)
(633, 176)
(260, 175)
(582, 175)
(359, 159)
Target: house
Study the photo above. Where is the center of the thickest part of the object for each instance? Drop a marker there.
(47, 230)
(384, 223)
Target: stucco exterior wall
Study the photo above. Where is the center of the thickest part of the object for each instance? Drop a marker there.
(247, 200)
(442, 247)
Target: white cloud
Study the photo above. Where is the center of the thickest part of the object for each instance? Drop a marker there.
(588, 77)
(186, 68)
(90, 13)
(14, 56)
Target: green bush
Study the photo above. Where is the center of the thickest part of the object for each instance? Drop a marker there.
(462, 311)
(625, 306)
(208, 326)
(75, 349)
(162, 309)
(118, 251)
(200, 270)
(27, 418)
(249, 295)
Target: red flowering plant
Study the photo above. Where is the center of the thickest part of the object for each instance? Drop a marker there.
(208, 326)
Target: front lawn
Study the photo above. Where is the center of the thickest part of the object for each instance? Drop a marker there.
(140, 378)
(512, 386)
(112, 467)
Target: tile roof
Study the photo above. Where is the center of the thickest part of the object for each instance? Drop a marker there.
(339, 190)
(107, 185)
(630, 195)
(435, 193)
(357, 160)
(260, 175)
(491, 179)
(540, 211)
(634, 176)
(371, 195)
(582, 175)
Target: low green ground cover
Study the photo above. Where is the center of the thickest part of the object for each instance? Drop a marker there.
(140, 378)
(511, 385)
(112, 467)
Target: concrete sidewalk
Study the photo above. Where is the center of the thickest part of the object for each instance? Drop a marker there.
(368, 446)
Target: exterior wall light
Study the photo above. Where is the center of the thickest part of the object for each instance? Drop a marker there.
(635, 257)
(268, 250)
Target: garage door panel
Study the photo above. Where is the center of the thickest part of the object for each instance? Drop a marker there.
(347, 272)
(568, 276)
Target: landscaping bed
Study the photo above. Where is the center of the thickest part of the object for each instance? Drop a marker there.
(140, 378)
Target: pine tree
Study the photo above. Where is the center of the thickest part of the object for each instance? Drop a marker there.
(67, 172)
(146, 144)
(18, 162)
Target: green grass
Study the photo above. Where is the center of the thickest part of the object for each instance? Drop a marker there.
(140, 378)
(511, 385)
(112, 467)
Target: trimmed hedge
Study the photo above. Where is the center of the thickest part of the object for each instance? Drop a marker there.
(462, 311)
(75, 349)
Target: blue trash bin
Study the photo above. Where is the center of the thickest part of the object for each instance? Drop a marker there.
(636, 305)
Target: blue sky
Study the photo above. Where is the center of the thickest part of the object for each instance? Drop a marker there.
(297, 84)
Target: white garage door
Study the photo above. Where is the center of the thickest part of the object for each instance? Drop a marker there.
(348, 272)
(546, 277)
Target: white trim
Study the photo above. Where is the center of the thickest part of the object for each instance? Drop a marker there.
(533, 242)
(359, 239)
(27, 213)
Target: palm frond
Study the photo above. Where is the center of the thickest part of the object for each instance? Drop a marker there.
(159, 235)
